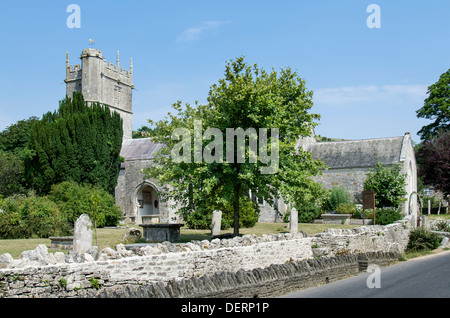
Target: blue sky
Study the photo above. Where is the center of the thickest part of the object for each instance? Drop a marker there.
(367, 82)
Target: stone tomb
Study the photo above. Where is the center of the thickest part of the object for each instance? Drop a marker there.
(161, 232)
(330, 218)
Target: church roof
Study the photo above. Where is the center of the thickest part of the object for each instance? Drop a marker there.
(142, 148)
(358, 153)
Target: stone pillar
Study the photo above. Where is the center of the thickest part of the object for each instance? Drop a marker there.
(294, 221)
(82, 234)
(216, 223)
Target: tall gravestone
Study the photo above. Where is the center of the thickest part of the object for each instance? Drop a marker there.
(82, 234)
(294, 221)
(216, 223)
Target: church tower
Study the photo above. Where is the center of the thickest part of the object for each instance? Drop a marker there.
(103, 82)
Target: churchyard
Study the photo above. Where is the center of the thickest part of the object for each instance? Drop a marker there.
(110, 237)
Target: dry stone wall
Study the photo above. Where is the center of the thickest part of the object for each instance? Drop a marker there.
(153, 270)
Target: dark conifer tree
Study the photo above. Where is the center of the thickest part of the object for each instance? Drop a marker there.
(75, 143)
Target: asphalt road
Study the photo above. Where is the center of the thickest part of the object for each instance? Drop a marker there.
(425, 277)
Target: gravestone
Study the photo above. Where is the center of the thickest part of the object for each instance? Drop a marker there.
(294, 221)
(216, 223)
(82, 234)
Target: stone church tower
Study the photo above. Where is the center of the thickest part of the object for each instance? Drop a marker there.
(103, 82)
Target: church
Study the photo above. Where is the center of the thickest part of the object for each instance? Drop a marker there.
(348, 162)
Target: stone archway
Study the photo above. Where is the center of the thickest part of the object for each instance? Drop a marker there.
(147, 204)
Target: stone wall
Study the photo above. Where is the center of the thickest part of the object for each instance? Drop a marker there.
(241, 261)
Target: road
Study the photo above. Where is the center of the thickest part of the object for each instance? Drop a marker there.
(424, 277)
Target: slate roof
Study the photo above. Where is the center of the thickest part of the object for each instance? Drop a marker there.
(358, 153)
(142, 148)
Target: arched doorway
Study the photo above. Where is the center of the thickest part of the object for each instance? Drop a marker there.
(147, 202)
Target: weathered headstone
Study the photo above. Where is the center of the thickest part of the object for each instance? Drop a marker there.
(82, 234)
(216, 223)
(294, 221)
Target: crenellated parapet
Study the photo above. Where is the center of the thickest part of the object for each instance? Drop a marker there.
(104, 82)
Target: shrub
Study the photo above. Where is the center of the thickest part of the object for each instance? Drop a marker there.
(421, 239)
(346, 208)
(388, 184)
(248, 216)
(387, 216)
(74, 199)
(26, 216)
(338, 195)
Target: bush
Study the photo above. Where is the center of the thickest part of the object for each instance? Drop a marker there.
(248, 216)
(74, 199)
(338, 195)
(346, 208)
(307, 214)
(26, 216)
(421, 239)
(387, 216)
(388, 184)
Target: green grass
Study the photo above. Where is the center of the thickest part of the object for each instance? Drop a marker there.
(111, 237)
(436, 216)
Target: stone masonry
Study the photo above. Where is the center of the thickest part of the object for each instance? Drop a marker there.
(163, 263)
(103, 82)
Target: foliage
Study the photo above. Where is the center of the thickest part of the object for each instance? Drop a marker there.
(247, 98)
(77, 142)
(338, 195)
(310, 204)
(26, 216)
(74, 199)
(143, 132)
(433, 157)
(15, 137)
(346, 208)
(387, 216)
(248, 213)
(388, 184)
(436, 107)
(248, 216)
(421, 239)
(11, 174)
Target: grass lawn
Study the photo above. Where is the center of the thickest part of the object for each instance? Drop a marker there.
(438, 216)
(111, 237)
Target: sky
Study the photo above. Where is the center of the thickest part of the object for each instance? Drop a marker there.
(368, 82)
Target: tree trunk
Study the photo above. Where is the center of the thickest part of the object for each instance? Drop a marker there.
(236, 209)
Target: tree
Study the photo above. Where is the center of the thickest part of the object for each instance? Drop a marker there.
(73, 200)
(436, 107)
(15, 137)
(11, 174)
(388, 184)
(13, 151)
(26, 216)
(269, 110)
(433, 157)
(77, 142)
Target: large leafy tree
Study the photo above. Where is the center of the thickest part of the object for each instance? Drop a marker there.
(433, 157)
(248, 98)
(11, 174)
(15, 137)
(13, 142)
(436, 108)
(78, 143)
(389, 185)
